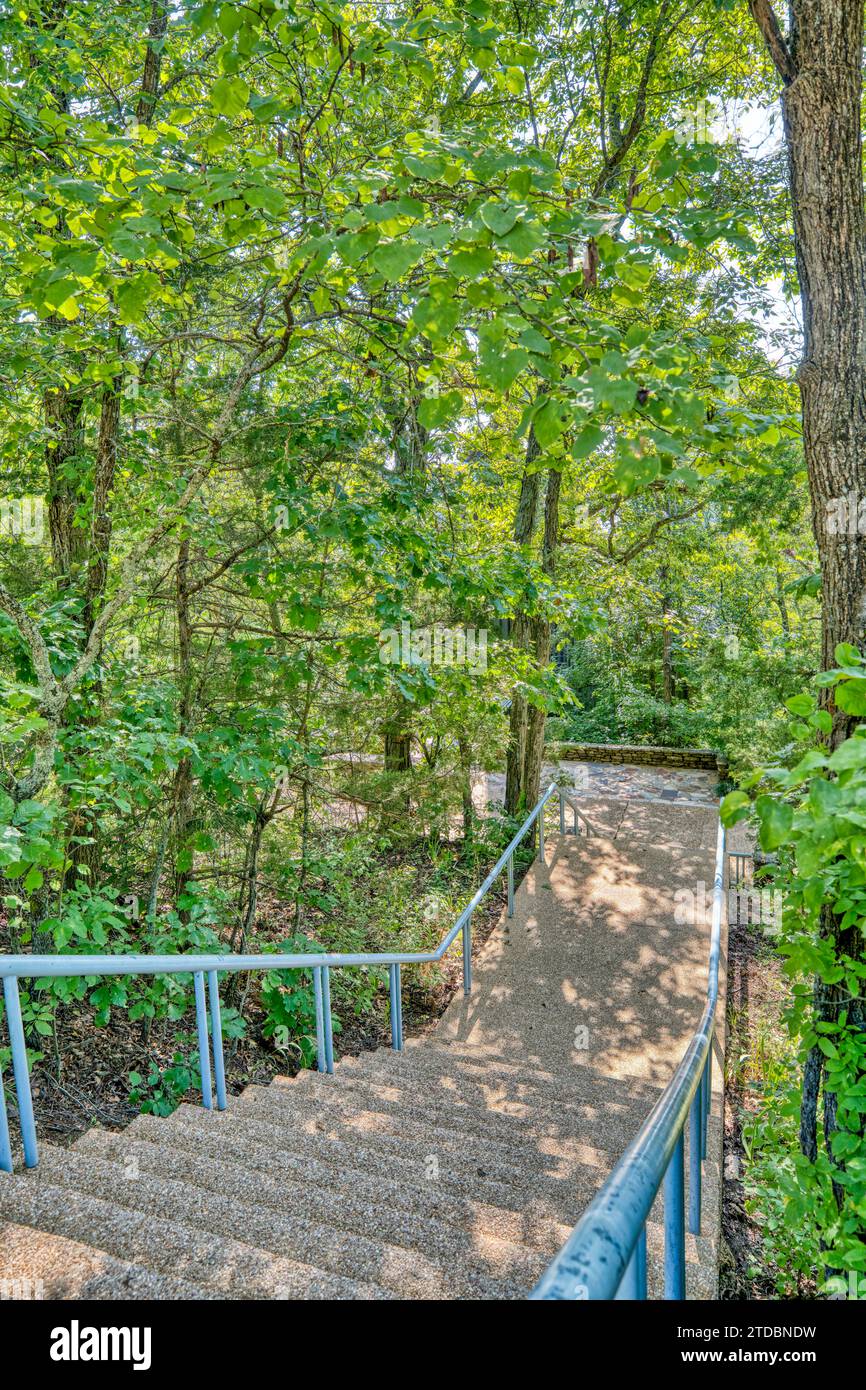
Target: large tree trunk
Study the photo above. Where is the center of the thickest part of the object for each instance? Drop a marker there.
(821, 68)
(821, 65)
(63, 417)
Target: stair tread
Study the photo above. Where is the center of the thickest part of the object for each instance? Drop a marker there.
(474, 1131)
(37, 1264)
(459, 1098)
(401, 1268)
(407, 1160)
(232, 1268)
(340, 1204)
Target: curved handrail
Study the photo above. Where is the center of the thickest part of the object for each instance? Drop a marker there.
(601, 1255)
(15, 967)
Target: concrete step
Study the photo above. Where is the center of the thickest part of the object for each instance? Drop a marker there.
(455, 1065)
(348, 1080)
(538, 1160)
(474, 1110)
(336, 1170)
(473, 1131)
(341, 1207)
(38, 1265)
(450, 1057)
(230, 1268)
(342, 1253)
(401, 1158)
(529, 1110)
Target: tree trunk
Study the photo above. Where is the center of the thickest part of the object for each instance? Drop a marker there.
(63, 418)
(103, 484)
(533, 755)
(667, 663)
(821, 66)
(522, 636)
(182, 795)
(464, 749)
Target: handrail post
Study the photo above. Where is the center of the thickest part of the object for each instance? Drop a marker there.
(707, 1090)
(320, 1019)
(640, 1250)
(5, 1143)
(203, 1043)
(467, 955)
(675, 1229)
(561, 812)
(633, 1283)
(511, 885)
(696, 1125)
(329, 1022)
(396, 1008)
(399, 970)
(216, 1026)
(541, 834)
(20, 1070)
(574, 808)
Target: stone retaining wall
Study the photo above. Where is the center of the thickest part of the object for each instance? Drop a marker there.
(642, 753)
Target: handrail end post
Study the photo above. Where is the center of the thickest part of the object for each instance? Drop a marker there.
(20, 1071)
(219, 1069)
(203, 1040)
(329, 1021)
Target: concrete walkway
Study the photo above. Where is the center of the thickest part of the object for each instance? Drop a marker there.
(453, 1170)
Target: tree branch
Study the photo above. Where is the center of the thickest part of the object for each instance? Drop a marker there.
(765, 17)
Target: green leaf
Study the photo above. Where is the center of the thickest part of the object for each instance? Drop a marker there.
(229, 95)
(550, 421)
(536, 342)
(267, 197)
(850, 696)
(523, 239)
(776, 818)
(499, 217)
(394, 259)
(851, 753)
(430, 166)
(354, 246)
(800, 704)
(471, 263)
(500, 369)
(132, 295)
(435, 411)
(733, 807)
(846, 655)
(586, 441)
(437, 313)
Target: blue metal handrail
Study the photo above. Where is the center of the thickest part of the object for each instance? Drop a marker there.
(605, 1255)
(13, 968)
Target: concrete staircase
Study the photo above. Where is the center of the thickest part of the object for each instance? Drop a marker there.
(453, 1170)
